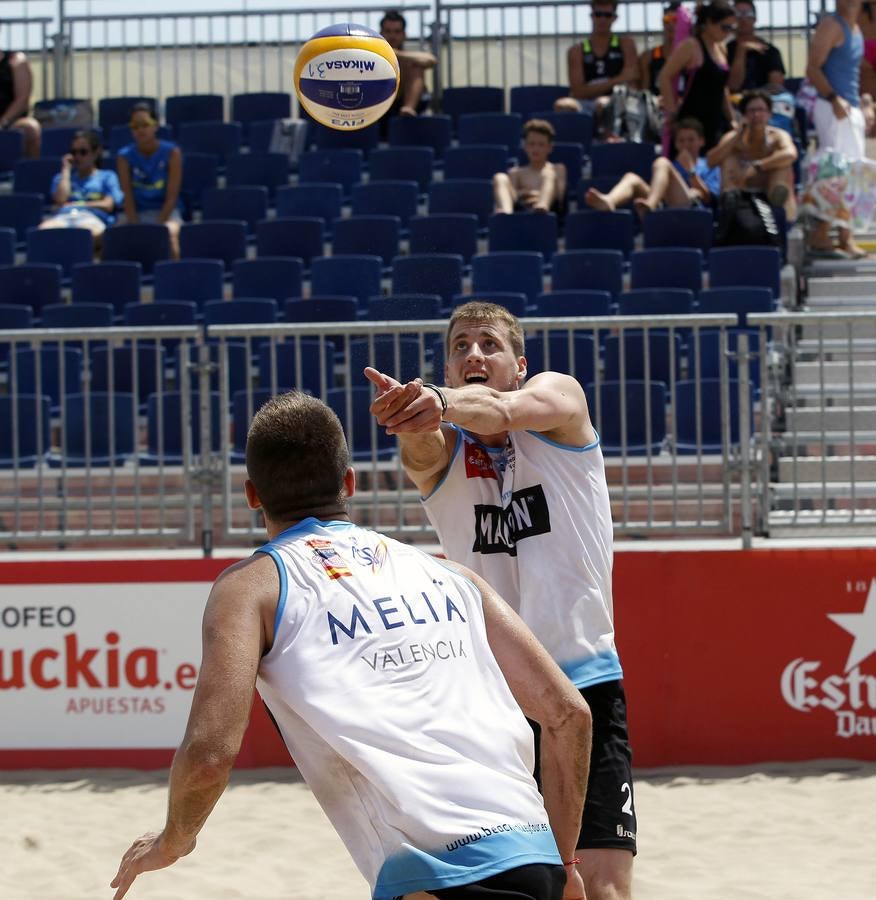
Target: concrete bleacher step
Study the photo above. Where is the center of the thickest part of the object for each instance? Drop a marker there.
(843, 286)
(860, 419)
(813, 523)
(829, 468)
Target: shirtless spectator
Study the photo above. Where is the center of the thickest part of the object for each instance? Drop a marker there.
(412, 98)
(540, 185)
(16, 84)
(756, 156)
(599, 63)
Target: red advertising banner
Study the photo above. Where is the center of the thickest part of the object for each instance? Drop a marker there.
(730, 657)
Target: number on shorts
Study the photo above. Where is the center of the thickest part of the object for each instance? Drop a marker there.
(628, 804)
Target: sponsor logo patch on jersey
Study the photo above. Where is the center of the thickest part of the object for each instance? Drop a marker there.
(326, 556)
(478, 463)
(499, 528)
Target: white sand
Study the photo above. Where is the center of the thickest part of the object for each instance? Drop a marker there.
(778, 833)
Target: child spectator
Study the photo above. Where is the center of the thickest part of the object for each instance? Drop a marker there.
(86, 196)
(150, 172)
(540, 185)
(686, 181)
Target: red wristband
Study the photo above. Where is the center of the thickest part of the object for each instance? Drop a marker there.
(572, 862)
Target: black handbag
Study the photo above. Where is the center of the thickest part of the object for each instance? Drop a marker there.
(745, 217)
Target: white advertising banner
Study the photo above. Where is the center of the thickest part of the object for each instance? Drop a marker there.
(98, 665)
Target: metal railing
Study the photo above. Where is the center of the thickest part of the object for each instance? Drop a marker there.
(145, 442)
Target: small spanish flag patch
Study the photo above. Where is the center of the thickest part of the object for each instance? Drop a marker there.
(326, 556)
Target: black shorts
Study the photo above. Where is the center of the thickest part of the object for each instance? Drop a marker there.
(536, 882)
(609, 819)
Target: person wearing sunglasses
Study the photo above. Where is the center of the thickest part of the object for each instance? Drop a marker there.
(599, 63)
(754, 62)
(86, 196)
(652, 61)
(703, 60)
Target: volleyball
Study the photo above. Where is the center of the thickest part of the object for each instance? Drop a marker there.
(346, 76)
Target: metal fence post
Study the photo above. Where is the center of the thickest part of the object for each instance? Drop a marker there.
(206, 463)
(744, 438)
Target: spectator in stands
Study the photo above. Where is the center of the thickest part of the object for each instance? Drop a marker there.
(86, 197)
(754, 62)
(686, 181)
(757, 156)
(834, 64)
(651, 61)
(412, 98)
(599, 63)
(540, 185)
(867, 24)
(16, 84)
(150, 172)
(703, 60)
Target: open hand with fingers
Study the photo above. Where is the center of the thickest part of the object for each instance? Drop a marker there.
(144, 855)
(404, 408)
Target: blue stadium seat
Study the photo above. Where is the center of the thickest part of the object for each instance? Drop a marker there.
(471, 99)
(641, 404)
(389, 198)
(618, 158)
(200, 172)
(666, 267)
(656, 302)
(508, 271)
(664, 356)
(322, 309)
(582, 302)
(590, 229)
(278, 277)
(223, 239)
(34, 176)
(549, 352)
(146, 359)
(161, 312)
(241, 311)
(87, 439)
(405, 163)
(7, 246)
(705, 355)
(341, 166)
(193, 108)
(463, 195)
(525, 99)
(368, 235)
(598, 270)
(444, 233)
(65, 246)
(269, 170)
(79, 315)
(25, 437)
(364, 139)
(491, 128)
(573, 128)
(13, 316)
(475, 161)
(746, 267)
(117, 110)
(261, 137)
(297, 236)
(165, 428)
(221, 139)
(366, 439)
(421, 131)
(254, 105)
(116, 283)
(571, 156)
(352, 276)
(524, 231)
(394, 355)
(247, 202)
(197, 280)
(31, 284)
(119, 136)
(320, 199)
(21, 211)
(703, 398)
(147, 243)
(11, 150)
(739, 300)
(279, 367)
(56, 141)
(679, 228)
(514, 301)
(428, 273)
(397, 307)
(60, 370)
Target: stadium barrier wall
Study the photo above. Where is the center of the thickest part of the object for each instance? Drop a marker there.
(730, 658)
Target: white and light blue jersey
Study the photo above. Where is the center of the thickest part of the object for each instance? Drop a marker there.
(534, 519)
(394, 709)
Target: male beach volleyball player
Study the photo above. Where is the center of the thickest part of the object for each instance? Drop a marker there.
(393, 679)
(513, 481)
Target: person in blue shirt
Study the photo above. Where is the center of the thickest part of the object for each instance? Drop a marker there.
(150, 171)
(85, 196)
(685, 181)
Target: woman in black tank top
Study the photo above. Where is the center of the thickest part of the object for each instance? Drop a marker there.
(704, 60)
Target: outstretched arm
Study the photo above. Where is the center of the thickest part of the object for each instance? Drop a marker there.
(233, 640)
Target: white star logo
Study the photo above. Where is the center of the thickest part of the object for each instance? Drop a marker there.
(863, 626)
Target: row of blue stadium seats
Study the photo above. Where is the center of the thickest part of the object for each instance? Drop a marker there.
(200, 276)
(102, 429)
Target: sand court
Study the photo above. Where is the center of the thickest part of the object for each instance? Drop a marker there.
(802, 832)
